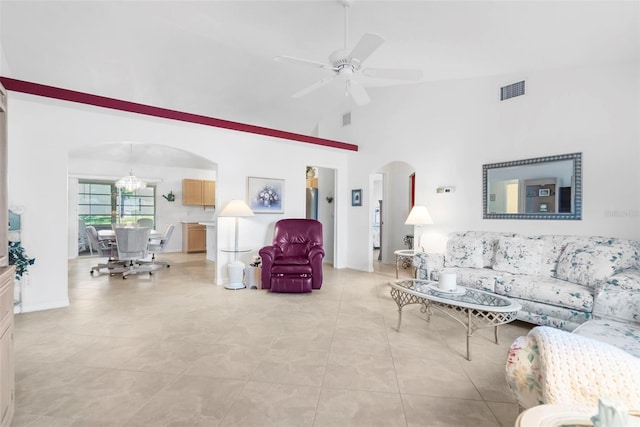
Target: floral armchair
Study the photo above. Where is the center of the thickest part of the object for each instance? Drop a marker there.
(551, 366)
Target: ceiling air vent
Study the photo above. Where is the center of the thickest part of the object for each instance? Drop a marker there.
(512, 90)
(346, 119)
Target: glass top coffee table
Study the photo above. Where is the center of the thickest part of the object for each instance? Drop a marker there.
(472, 308)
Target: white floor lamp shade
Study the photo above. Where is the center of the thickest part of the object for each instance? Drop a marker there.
(418, 217)
(236, 209)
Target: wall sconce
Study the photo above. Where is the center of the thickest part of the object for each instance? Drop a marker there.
(329, 199)
(170, 197)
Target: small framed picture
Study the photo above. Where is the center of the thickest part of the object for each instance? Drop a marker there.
(356, 197)
(544, 192)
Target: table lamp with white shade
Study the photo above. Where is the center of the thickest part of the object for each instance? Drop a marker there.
(418, 217)
(235, 209)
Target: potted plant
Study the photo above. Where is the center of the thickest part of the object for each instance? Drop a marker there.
(19, 258)
(311, 172)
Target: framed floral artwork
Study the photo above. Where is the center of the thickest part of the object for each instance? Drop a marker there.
(265, 195)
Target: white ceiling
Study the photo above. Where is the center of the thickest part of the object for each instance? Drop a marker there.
(216, 57)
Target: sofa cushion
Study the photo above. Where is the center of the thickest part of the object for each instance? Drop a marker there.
(625, 336)
(625, 280)
(477, 278)
(550, 291)
(550, 315)
(464, 252)
(553, 247)
(627, 251)
(519, 255)
(618, 301)
(489, 241)
(588, 264)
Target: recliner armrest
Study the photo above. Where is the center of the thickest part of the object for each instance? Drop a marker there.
(315, 251)
(269, 253)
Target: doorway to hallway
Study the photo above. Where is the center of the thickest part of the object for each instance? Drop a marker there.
(320, 205)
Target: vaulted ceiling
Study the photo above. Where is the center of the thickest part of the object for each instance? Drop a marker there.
(216, 57)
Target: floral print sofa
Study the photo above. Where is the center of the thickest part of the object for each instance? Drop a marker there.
(560, 281)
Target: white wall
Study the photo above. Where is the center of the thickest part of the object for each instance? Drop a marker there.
(395, 208)
(326, 210)
(43, 131)
(448, 130)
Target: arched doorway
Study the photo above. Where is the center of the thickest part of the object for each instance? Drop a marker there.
(161, 166)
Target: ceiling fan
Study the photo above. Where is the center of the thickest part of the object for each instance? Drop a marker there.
(347, 63)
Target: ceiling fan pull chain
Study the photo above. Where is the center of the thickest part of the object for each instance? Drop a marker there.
(346, 22)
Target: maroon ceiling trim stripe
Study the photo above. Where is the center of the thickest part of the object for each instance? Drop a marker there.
(132, 107)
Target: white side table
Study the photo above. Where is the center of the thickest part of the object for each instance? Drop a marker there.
(404, 254)
(253, 277)
(235, 269)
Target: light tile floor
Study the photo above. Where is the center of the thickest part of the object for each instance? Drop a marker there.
(174, 349)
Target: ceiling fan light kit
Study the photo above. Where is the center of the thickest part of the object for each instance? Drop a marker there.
(347, 64)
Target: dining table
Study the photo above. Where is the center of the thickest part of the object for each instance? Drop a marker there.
(109, 234)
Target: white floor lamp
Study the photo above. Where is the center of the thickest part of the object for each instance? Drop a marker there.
(418, 217)
(236, 209)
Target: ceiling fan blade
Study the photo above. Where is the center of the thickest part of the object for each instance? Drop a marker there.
(304, 62)
(393, 73)
(366, 46)
(313, 87)
(358, 92)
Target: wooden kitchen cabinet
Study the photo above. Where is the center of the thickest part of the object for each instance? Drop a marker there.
(198, 192)
(194, 237)
(7, 376)
(209, 193)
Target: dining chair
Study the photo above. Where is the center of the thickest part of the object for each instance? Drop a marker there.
(83, 240)
(103, 248)
(160, 246)
(132, 244)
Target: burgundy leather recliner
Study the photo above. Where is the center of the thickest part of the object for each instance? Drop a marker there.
(293, 263)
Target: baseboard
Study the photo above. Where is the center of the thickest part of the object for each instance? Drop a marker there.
(27, 308)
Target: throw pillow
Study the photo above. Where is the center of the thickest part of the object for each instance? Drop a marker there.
(519, 255)
(587, 264)
(464, 252)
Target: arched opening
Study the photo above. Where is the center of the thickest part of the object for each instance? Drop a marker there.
(161, 167)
